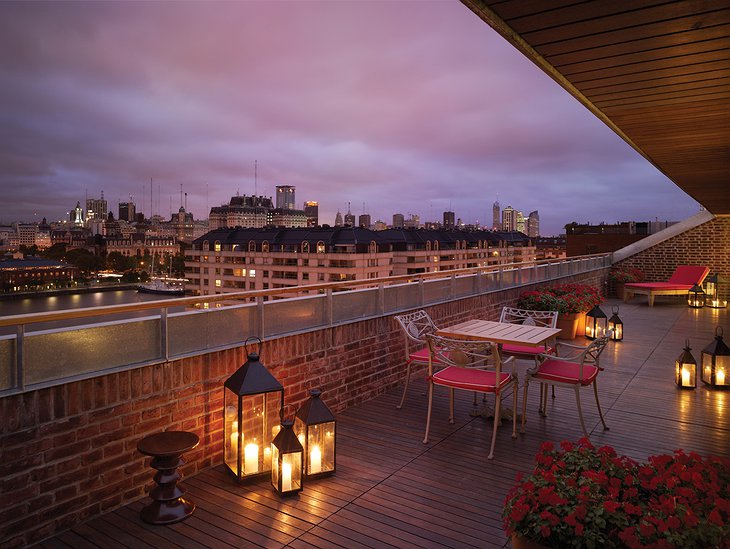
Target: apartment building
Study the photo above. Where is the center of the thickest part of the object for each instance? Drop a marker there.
(231, 260)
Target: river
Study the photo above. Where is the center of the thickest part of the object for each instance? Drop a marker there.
(43, 304)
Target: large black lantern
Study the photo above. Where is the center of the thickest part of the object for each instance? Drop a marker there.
(716, 362)
(696, 297)
(253, 404)
(315, 427)
(712, 293)
(287, 457)
(595, 323)
(685, 369)
(615, 324)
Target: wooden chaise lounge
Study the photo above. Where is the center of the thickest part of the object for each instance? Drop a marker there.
(681, 281)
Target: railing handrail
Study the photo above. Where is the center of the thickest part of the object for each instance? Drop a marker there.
(34, 318)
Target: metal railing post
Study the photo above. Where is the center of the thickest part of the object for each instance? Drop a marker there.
(381, 299)
(19, 348)
(260, 315)
(330, 312)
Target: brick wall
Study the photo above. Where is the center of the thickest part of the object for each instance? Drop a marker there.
(707, 244)
(68, 453)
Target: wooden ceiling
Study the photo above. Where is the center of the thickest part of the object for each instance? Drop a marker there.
(656, 72)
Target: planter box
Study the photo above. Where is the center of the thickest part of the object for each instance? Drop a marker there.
(568, 324)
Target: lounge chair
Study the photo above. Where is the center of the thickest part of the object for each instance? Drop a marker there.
(681, 281)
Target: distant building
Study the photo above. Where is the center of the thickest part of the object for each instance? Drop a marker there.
(589, 239)
(338, 219)
(449, 221)
(380, 225)
(182, 224)
(229, 260)
(77, 215)
(496, 217)
(127, 212)
(33, 273)
(509, 219)
(96, 209)
(520, 224)
(552, 247)
(285, 197)
(364, 221)
(533, 224)
(349, 217)
(413, 222)
(398, 221)
(255, 212)
(311, 210)
(140, 244)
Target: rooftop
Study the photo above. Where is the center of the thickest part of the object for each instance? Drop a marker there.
(392, 490)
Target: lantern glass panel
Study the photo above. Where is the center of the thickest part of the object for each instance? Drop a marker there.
(595, 323)
(231, 430)
(696, 297)
(685, 374)
(716, 369)
(321, 448)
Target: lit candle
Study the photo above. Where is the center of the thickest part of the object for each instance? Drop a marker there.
(315, 460)
(267, 458)
(300, 436)
(285, 476)
(720, 377)
(685, 377)
(251, 457)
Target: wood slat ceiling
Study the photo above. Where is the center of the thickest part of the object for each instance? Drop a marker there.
(656, 72)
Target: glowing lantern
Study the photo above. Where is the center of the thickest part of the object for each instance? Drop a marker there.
(315, 426)
(685, 371)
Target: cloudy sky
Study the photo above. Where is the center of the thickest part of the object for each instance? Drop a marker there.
(412, 107)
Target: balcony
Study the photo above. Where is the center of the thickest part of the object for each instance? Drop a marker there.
(390, 489)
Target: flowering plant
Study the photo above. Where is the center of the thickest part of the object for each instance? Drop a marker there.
(564, 298)
(625, 274)
(582, 496)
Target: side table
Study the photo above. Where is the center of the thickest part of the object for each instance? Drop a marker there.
(166, 449)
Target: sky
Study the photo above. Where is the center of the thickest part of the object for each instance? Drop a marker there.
(411, 107)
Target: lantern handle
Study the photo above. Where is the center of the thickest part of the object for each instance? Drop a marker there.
(252, 338)
(614, 309)
(293, 411)
(718, 332)
(686, 345)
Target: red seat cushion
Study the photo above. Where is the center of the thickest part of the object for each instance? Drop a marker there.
(689, 274)
(563, 371)
(472, 380)
(659, 286)
(526, 350)
(421, 356)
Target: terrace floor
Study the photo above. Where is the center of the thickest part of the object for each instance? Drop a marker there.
(392, 490)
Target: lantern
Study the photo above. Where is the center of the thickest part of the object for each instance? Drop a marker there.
(315, 427)
(685, 371)
(253, 404)
(696, 297)
(712, 292)
(615, 324)
(716, 362)
(287, 455)
(595, 323)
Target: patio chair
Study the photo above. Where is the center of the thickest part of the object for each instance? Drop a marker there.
(681, 281)
(574, 367)
(416, 326)
(470, 366)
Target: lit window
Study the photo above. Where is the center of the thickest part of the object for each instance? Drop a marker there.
(217, 246)
(252, 273)
(320, 247)
(218, 283)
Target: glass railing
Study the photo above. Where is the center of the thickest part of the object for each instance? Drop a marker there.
(32, 358)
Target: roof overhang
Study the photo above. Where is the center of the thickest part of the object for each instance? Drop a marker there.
(657, 73)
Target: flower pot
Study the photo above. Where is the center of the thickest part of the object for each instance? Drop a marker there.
(520, 542)
(580, 330)
(568, 324)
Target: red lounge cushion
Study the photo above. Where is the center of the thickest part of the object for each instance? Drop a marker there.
(689, 274)
(526, 350)
(658, 286)
(472, 380)
(565, 372)
(421, 356)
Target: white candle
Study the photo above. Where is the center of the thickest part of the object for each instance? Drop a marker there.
(251, 456)
(285, 476)
(315, 460)
(685, 377)
(720, 377)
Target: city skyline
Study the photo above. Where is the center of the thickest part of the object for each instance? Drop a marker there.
(408, 111)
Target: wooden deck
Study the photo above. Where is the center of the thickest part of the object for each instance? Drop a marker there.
(392, 490)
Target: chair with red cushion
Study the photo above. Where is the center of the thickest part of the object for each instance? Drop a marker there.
(416, 326)
(574, 367)
(470, 366)
(682, 280)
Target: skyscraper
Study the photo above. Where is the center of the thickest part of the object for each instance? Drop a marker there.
(127, 211)
(520, 222)
(398, 221)
(496, 218)
(285, 197)
(349, 217)
(449, 220)
(96, 208)
(509, 221)
(311, 210)
(364, 221)
(533, 225)
(77, 215)
(338, 219)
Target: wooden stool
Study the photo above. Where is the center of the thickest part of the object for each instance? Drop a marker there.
(166, 449)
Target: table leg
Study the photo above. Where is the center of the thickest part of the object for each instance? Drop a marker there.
(168, 505)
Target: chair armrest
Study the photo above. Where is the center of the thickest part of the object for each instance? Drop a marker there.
(509, 360)
(574, 351)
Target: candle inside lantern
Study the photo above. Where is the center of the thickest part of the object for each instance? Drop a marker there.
(251, 457)
(720, 377)
(315, 460)
(285, 476)
(267, 458)
(685, 377)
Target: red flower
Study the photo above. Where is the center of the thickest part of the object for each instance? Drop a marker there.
(716, 518)
(611, 506)
(545, 531)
